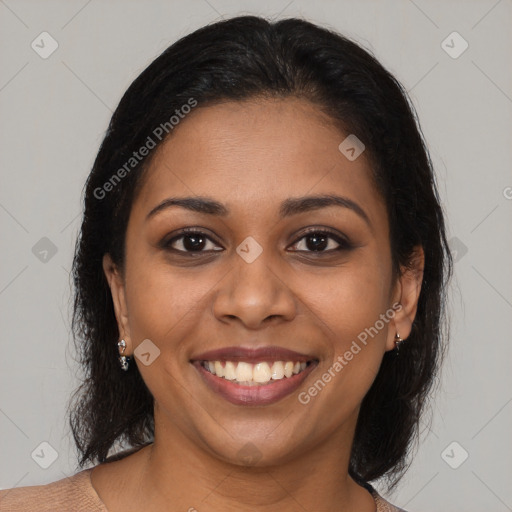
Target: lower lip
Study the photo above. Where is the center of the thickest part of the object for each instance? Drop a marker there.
(253, 395)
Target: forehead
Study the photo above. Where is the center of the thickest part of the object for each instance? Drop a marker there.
(255, 154)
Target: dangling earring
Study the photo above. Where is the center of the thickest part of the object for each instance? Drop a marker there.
(124, 360)
(398, 342)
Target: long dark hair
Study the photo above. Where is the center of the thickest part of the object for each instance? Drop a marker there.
(232, 60)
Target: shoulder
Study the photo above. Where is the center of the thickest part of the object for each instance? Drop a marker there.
(385, 506)
(382, 504)
(70, 493)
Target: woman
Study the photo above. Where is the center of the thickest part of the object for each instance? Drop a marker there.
(260, 279)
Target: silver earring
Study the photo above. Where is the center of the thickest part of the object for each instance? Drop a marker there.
(398, 342)
(123, 360)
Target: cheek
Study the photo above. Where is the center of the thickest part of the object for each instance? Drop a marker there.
(162, 301)
(350, 305)
(165, 307)
(352, 299)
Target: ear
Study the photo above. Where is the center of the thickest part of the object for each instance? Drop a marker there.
(406, 293)
(117, 289)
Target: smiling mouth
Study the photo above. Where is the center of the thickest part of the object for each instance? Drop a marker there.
(250, 376)
(258, 374)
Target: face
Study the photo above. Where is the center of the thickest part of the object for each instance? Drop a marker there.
(266, 278)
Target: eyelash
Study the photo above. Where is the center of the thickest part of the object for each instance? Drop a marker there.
(344, 244)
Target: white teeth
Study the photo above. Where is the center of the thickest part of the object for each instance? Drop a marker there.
(243, 372)
(219, 370)
(277, 370)
(260, 373)
(229, 371)
(288, 369)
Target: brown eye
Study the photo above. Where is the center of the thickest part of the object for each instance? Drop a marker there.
(321, 241)
(190, 241)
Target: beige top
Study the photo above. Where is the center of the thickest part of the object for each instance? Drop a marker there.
(76, 493)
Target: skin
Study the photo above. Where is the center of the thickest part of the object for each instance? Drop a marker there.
(251, 156)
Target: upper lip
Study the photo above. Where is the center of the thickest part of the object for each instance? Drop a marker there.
(252, 355)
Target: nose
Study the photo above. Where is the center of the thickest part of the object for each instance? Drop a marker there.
(254, 294)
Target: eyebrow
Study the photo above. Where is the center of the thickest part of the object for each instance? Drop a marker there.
(289, 207)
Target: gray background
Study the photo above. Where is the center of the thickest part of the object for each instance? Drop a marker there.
(54, 113)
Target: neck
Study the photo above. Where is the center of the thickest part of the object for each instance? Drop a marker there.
(179, 472)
